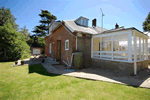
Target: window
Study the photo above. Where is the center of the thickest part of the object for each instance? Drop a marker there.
(82, 21)
(106, 43)
(67, 45)
(86, 23)
(50, 48)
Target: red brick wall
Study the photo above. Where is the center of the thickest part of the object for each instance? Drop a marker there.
(60, 34)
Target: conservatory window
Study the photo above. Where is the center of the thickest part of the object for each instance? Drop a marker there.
(148, 46)
(120, 47)
(138, 48)
(142, 48)
(106, 43)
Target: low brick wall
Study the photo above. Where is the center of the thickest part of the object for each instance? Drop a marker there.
(142, 64)
(119, 67)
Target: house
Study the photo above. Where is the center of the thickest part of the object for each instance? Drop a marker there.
(121, 49)
(70, 36)
(36, 49)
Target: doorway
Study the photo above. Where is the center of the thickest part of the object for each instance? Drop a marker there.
(58, 58)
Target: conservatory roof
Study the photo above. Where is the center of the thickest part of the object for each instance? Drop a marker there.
(121, 29)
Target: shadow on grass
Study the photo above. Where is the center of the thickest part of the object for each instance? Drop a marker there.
(38, 68)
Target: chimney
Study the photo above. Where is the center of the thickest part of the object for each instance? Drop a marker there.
(94, 22)
(116, 26)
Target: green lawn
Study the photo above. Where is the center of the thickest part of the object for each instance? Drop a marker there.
(33, 82)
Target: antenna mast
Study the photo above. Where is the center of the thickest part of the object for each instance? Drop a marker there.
(102, 18)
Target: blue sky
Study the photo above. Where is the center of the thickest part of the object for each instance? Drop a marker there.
(127, 13)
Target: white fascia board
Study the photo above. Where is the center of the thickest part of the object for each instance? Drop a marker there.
(69, 28)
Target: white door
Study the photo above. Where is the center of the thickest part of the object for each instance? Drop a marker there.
(36, 51)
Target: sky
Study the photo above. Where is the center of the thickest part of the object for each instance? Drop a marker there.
(127, 13)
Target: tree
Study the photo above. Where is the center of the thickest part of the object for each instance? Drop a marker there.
(7, 17)
(46, 19)
(146, 23)
(40, 41)
(25, 33)
(12, 43)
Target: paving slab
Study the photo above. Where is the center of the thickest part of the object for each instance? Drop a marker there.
(48, 65)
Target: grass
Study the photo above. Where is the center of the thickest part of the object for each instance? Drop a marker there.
(33, 82)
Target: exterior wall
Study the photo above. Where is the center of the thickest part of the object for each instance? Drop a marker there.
(60, 34)
(35, 48)
(84, 46)
(119, 67)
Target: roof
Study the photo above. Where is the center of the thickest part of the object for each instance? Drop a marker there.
(54, 23)
(82, 17)
(85, 29)
(121, 29)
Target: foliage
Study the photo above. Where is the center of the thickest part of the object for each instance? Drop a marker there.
(46, 19)
(40, 41)
(25, 33)
(146, 23)
(13, 42)
(30, 41)
(5, 15)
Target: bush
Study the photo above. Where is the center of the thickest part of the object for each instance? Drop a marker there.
(14, 43)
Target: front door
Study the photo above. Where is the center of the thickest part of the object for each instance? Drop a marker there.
(58, 50)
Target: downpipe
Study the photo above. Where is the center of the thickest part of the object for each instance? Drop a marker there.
(69, 65)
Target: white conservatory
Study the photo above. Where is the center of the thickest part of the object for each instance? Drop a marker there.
(124, 45)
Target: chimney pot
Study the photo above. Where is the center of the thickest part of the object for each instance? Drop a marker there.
(94, 22)
(116, 26)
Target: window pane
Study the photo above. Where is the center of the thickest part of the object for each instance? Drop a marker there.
(144, 48)
(148, 46)
(120, 42)
(82, 22)
(141, 48)
(106, 43)
(138, 48)
(96, 45)
(86, 23)
(67, 43)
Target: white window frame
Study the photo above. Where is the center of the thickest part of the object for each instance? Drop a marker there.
(66, 45)
(50, 48)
